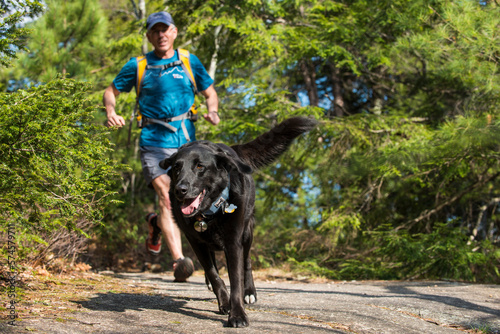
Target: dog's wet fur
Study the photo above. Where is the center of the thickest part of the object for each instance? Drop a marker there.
(199, 173)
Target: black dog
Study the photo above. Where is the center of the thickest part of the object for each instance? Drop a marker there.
(212, 194)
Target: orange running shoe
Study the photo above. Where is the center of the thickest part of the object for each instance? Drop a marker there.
(153, 242)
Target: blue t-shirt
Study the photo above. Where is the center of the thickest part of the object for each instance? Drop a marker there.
(164, 94)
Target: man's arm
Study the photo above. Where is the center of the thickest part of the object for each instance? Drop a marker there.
(109, 100)
(212, 105)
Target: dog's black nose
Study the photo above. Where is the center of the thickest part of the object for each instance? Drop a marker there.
(181, 190)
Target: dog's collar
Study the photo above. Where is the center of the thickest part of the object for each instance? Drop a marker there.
(220, 203)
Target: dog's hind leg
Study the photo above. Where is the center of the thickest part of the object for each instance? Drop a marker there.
(250, 293)
(207, 281)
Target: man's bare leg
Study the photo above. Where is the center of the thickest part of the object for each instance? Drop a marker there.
(170, 230)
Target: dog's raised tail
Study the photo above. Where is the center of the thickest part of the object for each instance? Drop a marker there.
(267, 147)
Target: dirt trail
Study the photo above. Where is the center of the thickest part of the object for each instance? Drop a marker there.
(153, 303)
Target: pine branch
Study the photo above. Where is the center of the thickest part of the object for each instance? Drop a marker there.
(428, 213)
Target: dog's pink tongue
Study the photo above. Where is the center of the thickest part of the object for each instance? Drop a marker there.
(188, 208)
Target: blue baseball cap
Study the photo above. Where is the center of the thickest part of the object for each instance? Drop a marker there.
(160, 17)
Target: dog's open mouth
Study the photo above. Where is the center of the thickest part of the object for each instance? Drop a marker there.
(190, 205)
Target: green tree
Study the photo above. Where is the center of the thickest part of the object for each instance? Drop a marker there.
(13, 37)
(410, 92)
(426, 155)
(55, 171)
(69, 39)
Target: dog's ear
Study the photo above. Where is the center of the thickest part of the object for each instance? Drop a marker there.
(224, 160)
(168, 162)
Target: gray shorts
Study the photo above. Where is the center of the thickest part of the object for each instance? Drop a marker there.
(150, 159)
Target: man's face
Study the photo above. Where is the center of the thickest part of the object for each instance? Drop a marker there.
(162, 36)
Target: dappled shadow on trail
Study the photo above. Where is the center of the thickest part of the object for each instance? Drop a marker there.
(490, 314)
(332, 306)
(447, 302)
(393, 291)
(122, 302)
(122, 308)
(406, 292)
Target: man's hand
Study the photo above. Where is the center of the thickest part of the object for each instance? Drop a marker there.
(212, 117)
(115, 120)
(212, 105)
(109, 101)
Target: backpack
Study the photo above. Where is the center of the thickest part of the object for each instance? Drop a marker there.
(142, 67)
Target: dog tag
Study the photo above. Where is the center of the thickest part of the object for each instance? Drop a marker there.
(200, 226)
(230, 208)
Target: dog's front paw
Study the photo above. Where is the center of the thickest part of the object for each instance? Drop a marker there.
(238, 321)
(250, 299)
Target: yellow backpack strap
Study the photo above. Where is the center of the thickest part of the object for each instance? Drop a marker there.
(141, 70)
(186, 66)
(142, 62)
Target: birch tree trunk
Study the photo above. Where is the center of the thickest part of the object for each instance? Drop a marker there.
(142, 13)
(213, 61)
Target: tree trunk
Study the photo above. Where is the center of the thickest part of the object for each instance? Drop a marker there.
(213, 62)
(309, 75)
(142, 13)
(338, 102)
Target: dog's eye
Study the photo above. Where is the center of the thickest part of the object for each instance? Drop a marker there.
(200, 167)
(176, 169)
